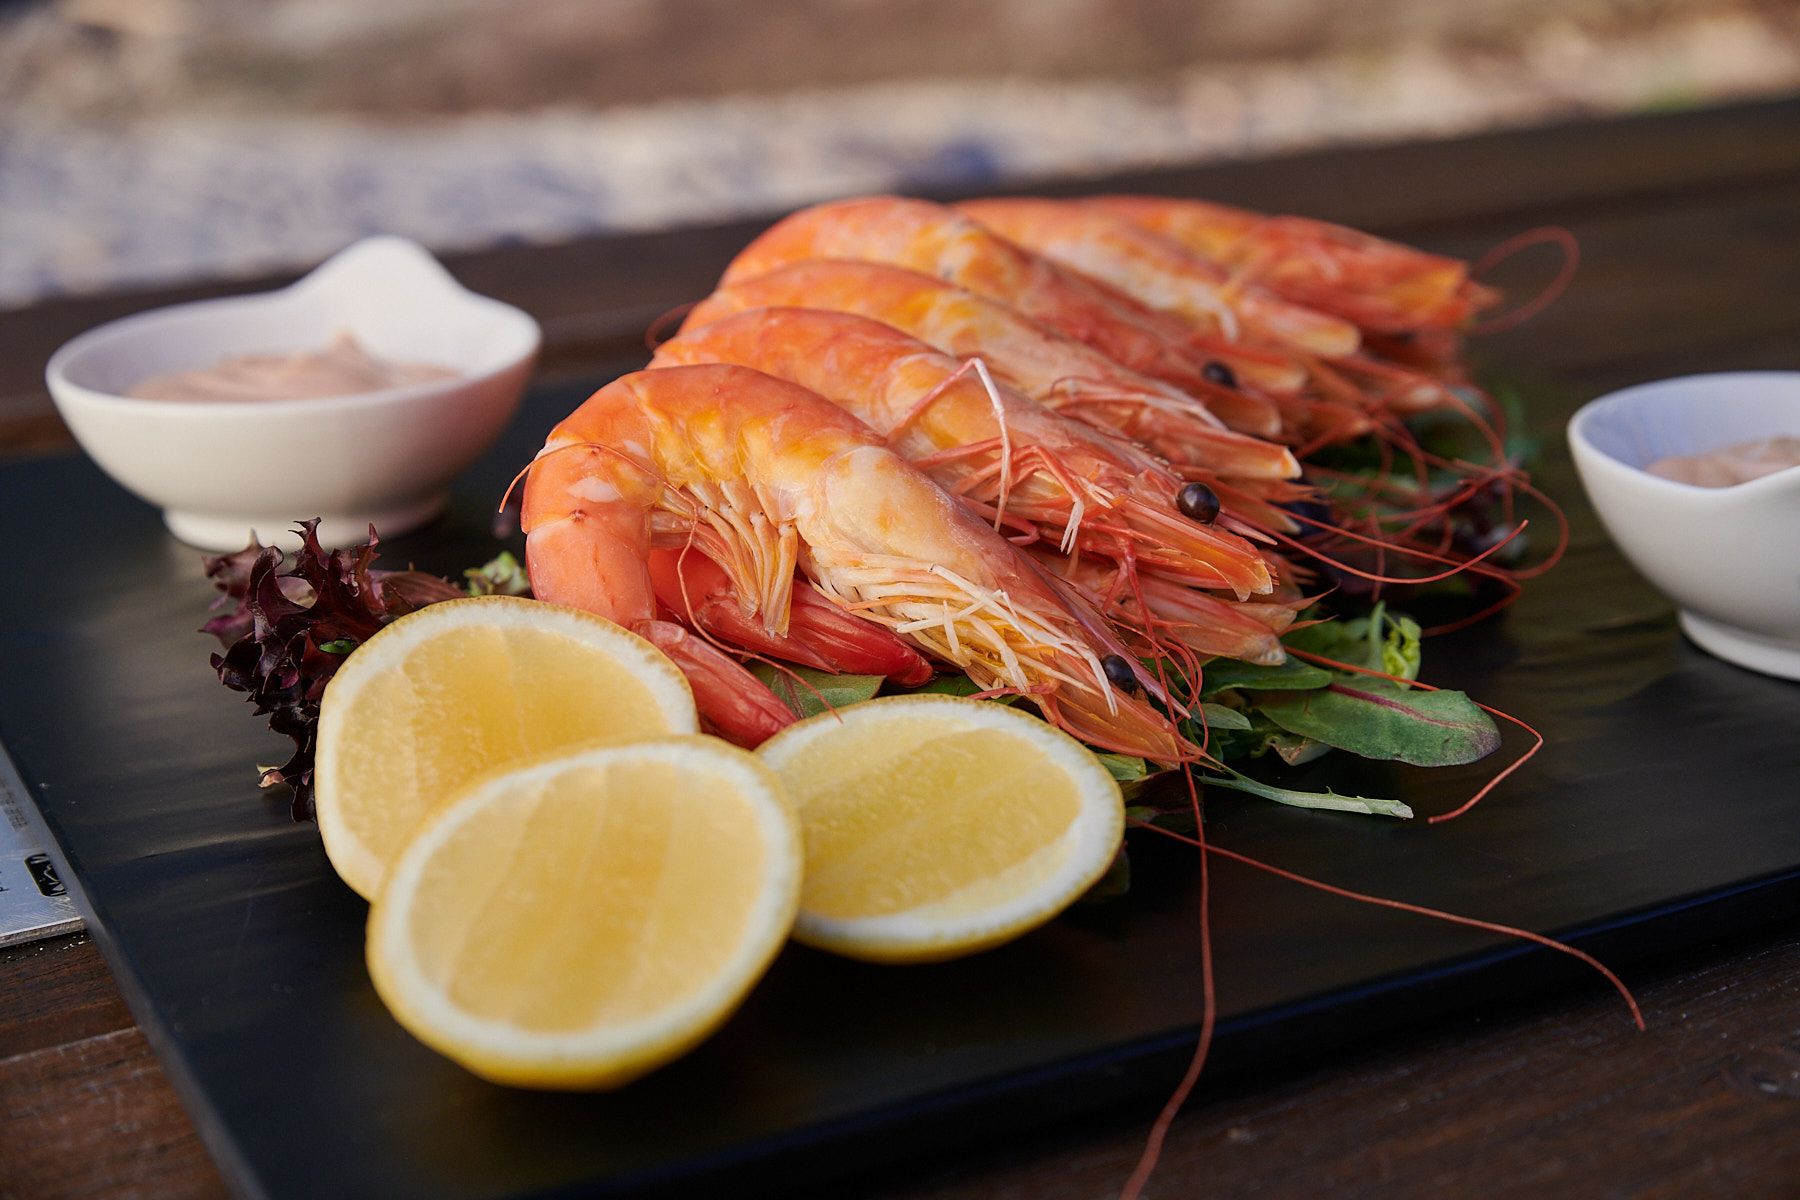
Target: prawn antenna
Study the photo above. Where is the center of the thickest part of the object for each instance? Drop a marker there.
(666, 324)
(1209, 1008)
(1153, 1143)
(1554, 235)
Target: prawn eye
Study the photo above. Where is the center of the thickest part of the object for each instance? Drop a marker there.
(1217, 372)
(1119, 673)
(1198, 502)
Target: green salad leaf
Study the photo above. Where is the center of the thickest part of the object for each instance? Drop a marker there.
(1375, 718)
(808, 692)
(501, 575)
(1220, 717)
(1123, 767)
(1132, 773)
(1381, 641)
(1327, 799)
(1224, 674)
(1295, 750)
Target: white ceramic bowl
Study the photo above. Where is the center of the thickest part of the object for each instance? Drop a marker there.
(220, 470)
(1728, 557)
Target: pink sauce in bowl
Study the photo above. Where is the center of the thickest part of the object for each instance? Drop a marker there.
(343, 368)
(1731, 465)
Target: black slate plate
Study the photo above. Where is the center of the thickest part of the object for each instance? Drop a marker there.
(1663, 810)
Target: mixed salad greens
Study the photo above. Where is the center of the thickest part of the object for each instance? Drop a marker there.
(286, 628)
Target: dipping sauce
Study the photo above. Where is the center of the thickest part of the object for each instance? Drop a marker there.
(343, 368)
(1731, 465)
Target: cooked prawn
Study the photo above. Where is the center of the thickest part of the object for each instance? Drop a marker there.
(768, 480)
(1382, 286)
(1163, 274)
(1051, 368)
(998, 450)
(936, 240)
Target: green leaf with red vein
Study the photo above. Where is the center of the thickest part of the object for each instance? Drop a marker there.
(1378, 719)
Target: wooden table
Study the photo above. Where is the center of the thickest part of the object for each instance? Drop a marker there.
(1690, 232)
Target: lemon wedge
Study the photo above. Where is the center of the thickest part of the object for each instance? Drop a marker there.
(938, 826)
(464, 688)
(579, 921)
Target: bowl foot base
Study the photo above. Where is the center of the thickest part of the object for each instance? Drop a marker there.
(1770, 657)
(209, 531)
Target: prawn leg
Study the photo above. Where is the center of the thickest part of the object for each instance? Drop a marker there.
(819, 633)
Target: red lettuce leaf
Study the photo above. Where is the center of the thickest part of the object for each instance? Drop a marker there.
(285, 633)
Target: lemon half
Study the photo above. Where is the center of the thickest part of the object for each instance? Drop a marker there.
(461, 689)
(579, 921)
(938, 826)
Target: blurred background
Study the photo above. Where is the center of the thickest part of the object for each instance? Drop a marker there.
(154, 141)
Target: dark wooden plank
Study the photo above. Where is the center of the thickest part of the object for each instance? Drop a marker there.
(1774, 350)
(1514, 178)
(1569, 1102)
(96, 1119)
(54, 992)
(85, 1109)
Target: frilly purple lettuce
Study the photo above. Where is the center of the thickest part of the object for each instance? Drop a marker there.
(286, 632)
